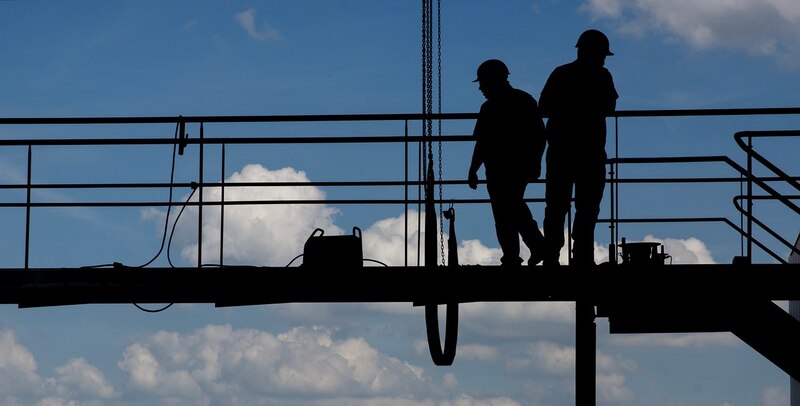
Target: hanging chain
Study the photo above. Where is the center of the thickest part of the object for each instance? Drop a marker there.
(425, 85)
(427, 92)
(439, 100)
(427, 105)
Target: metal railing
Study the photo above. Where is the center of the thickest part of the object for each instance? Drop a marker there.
(412, 176)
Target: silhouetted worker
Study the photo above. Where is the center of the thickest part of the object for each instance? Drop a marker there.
(577, 98)
(509, 143)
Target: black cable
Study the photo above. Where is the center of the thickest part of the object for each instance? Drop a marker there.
(166, 223)
(169, 207)
(153, 310)
(171, 234)
(293, 259)
(376, 261)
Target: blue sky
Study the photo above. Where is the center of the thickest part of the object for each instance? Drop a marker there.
(169, 58)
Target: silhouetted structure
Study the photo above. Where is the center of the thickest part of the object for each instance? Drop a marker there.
(735, 297)
(577, 98)
(794, 310)
(509, 143)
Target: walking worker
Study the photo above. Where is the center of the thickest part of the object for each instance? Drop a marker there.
(509, 143)
(577, 98)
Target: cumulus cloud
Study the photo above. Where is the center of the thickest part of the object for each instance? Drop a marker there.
(759, 27)
(79, 379)
(385, 240)
(774, 396)
(220, 365)
(17, 367)
(476, 352)
(264, 235)
(558, 360)
(505, 319)
(264, 32)
(684, 251)
(273, 234)
(75, 383)
(611, 390)
(675, 340)
(610, 379)
(548, 357)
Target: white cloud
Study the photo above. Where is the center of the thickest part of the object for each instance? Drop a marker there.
(684, 251)
(78, 379)
(774, 396)
(611, 390)
(610, 379)
(759, 27)
(75, 383)
(273, 234)
(219, 364)
(558, 360)
(494, 315)
(472, 252)
(385, 240)
(476, 352)
(17, 367)
(548, 357)
(263, 235)
(469, 401)
(675, 340)
(266, 32)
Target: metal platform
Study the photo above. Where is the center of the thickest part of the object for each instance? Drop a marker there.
(237, 286)
(635, 299)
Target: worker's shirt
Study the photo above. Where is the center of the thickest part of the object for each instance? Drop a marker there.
(577, 98)
(510, 136)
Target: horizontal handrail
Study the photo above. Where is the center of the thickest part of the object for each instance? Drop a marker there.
(33, 141)
(230, 141)
(376, 117)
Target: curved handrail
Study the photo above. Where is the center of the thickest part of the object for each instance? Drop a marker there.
(752, 154)
(731, 224)
(760, 158)
(737, 203)
(743, 172)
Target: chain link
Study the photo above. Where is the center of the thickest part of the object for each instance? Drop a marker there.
(427, 104)
(439, 100)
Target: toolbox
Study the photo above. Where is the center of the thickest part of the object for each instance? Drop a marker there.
(333, 250)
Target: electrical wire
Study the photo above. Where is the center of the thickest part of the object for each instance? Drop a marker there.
(169, 206)
(293, 259)
(375, 261)
(166, 221)
(175, 224)
(144, 309)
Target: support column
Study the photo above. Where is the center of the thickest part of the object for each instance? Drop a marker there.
(585, 354)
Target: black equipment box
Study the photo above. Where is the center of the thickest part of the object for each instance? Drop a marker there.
(323, 251)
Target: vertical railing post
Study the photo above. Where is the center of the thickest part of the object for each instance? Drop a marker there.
(222, 208)
(405, 193)
(749, 199)
(612, 173)
(200, 203)
(28, 208)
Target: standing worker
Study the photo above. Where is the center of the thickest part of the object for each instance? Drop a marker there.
(577, 98)
(509, 143)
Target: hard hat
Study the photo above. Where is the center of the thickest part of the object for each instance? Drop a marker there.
(492, 69)
(594, 39)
